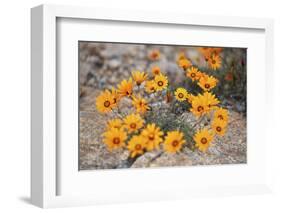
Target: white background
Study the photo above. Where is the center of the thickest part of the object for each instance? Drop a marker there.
(15, 99)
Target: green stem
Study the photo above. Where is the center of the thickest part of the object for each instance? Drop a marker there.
(198, 122)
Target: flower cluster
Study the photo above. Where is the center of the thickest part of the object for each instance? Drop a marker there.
(205, 103)
(212, 56)
(132, 131)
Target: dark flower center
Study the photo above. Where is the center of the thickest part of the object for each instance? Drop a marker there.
(214, 62)
(204, 140)
(220, 117)
(175, 143)
(192, 75)
(133, 125)
(106, 103)
(180, 95)
(116, 141)
(151, 136)
(160, 83)
(207, 86)
(218, 128)
(138, 147)
(200, 108)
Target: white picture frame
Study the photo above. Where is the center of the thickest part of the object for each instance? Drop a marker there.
(45, 167)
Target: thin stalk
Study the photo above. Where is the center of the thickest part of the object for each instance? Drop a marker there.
(198, 122)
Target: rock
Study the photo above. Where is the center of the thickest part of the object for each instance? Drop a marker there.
(93, 152)
(114, 63)
(161, 159)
